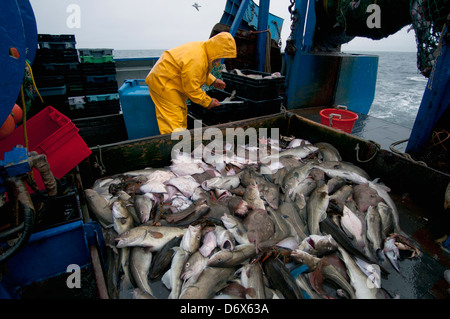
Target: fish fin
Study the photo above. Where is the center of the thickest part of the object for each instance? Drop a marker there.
(155, 234)
(380, 255)
(165, 279)
(250, 292)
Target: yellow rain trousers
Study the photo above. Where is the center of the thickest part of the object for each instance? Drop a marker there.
(179, 74)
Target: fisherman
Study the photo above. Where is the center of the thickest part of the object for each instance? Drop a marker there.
(179, 74)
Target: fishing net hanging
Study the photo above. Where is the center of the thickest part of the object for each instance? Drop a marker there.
(352, 16)
(428, 20)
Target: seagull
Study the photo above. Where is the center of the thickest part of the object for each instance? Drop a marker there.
(196, 6)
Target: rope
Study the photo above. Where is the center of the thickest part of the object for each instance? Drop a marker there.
(99, 163)
(436, 135)
(405, 155)
(267, 66)
(268, 30)
(25, 134)
(378, 147)
(34, 83)
(24, 122)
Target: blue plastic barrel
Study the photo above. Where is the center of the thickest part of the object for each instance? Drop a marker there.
(138, 109)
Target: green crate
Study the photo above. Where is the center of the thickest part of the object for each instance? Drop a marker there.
(92, 59)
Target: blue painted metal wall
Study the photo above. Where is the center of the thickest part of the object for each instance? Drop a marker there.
(356, 82)
(435, 102)
(17, 30)
(326, 79)
(250, 17)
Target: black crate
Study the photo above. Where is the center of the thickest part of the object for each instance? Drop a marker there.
(75, 89)
(59, 102)
(45, 81)
(57, 68)
(260, 108)
(108, 68)
(100, 79)
(73, 78)
(102, 130)
(51, 91)
(220, 114)
(56, 41)
(98, 53)
(58, 211)
(253, 89)
(94, 105)
(100, 88)
(56, 38)
(56, 56)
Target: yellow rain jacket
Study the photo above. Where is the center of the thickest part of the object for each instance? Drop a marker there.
(179, 74)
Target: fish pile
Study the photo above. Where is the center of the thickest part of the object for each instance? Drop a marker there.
(256, 76)
(232, 229)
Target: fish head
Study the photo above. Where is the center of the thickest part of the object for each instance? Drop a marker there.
(272, 197)
(324, 244)
(119, 210)
(193, 266)
(392, 252)
(191, 239)
(220, 258)
(132, 237)
(90, 193)
(288, 184)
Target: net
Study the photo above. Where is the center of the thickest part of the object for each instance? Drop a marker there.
(428, 20)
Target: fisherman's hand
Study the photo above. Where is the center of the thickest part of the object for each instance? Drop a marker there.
(214, 103)
(219, 84)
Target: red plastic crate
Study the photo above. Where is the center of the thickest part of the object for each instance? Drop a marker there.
(53, 134)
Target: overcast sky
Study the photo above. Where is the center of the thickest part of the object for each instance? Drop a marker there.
(163, 24)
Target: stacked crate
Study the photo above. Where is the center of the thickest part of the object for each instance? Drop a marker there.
(99, 80)
(102, 121)
(223, 114)
(56, 71)
(261, 90)
(80, 83)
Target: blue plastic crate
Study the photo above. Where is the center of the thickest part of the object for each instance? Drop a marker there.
(48, 254)
(138, 109)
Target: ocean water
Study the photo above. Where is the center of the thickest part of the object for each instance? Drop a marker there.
(399, 87)
(136, 53)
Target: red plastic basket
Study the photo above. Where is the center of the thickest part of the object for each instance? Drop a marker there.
(339, 119)
(53, 134)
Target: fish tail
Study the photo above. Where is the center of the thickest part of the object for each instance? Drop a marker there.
(380, 255)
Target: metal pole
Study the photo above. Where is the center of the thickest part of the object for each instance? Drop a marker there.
(261, 40)
(238, 17)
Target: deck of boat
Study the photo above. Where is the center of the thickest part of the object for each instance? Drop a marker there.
(369, 128)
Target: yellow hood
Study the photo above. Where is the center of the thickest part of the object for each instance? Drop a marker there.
(220, 46)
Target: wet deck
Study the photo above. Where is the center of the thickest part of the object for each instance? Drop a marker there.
(369, 128)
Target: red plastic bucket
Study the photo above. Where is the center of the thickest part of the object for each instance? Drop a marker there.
(339, 119)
